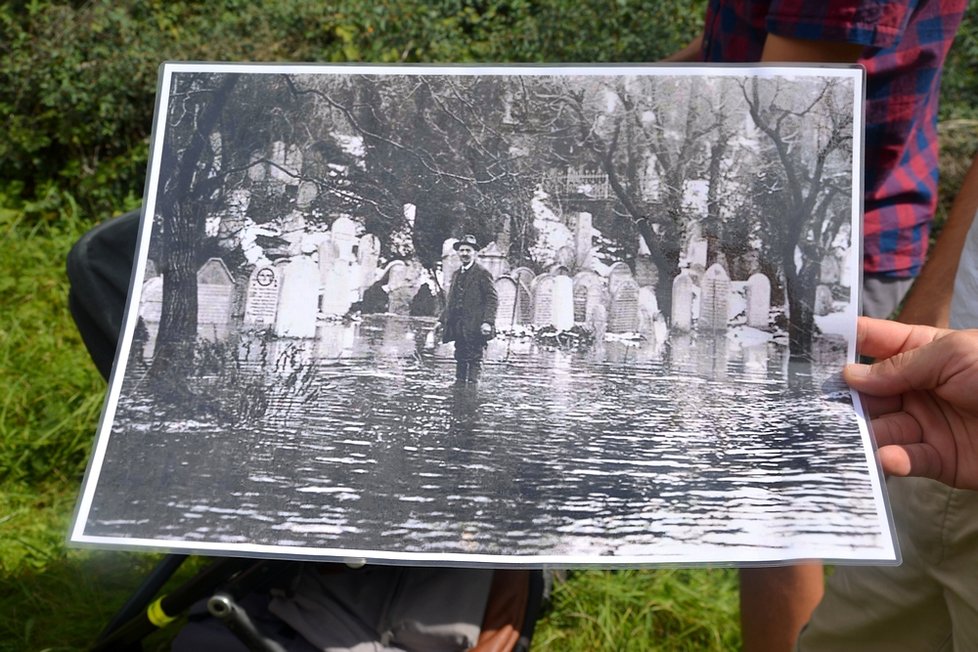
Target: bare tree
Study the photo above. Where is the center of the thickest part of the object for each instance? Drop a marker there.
(809, 128)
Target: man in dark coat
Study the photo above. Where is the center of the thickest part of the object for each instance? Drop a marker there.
(469, 317)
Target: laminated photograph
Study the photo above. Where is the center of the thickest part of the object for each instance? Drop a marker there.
(467, 315)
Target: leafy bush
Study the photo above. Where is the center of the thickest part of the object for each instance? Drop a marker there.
(77, 80)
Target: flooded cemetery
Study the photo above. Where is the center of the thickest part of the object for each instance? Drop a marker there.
(656, 386)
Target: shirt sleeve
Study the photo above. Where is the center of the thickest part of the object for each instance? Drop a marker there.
(870, 23)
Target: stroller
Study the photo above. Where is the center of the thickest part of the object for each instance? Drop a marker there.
(276, 605)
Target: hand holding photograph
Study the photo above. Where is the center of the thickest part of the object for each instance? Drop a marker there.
(495, 315)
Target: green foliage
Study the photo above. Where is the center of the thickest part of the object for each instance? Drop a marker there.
(77, 80)
(643, 610)
(959, 82)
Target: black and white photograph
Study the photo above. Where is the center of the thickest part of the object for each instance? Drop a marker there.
(579, 315)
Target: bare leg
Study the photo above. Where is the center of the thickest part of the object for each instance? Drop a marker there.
(775, 603)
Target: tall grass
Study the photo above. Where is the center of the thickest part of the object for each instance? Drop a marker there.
(643, 610)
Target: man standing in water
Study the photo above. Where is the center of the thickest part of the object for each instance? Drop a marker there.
(470, 313)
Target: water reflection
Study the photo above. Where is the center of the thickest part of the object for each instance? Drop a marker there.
(621, 449)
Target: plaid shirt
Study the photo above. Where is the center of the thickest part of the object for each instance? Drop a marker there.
(906, 44)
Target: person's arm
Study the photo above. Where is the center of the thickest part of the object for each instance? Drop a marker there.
(929, 299)
(692, 52)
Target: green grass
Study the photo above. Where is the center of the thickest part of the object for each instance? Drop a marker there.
(643, 610)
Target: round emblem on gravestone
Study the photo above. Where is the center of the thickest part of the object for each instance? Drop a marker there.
(265, 277)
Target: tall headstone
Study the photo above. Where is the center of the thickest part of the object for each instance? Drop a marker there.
(583, 236)
(300, 295)
(338, 280)
(507, 308)
(150, 310)
(682, 303)
(759, 301)
(623, 316)
(543, 300)
(696, 246)
(563, 305)
(215, 293)
(617, 275)
(261, 298)
(524, 289)
(368, 255)
(450, 263)
(715, 299)
(344, 235)
(588, 292)
(648, 308)
(399, 288)
(493, 259)
(823, 300)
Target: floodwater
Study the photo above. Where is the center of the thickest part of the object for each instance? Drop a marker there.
(689, 450)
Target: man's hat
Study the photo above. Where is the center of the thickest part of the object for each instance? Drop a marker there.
(467, 239)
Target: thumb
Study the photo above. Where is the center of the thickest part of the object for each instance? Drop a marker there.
(915, 369)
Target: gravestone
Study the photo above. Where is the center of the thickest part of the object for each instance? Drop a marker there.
(580, 303)
(598, 320)
(424, 303)
(150, 310)
(261, 297)
(256, 170)
(682, 302)
(507, 308)
(523, 275)
(524, 283)
(759, 301)
(450, 263)
(287, 163)
(623, 314)
(648, 308)
(493, 259)
(566, 256)
(617, 275)
(543, 300)
(831, 271)
(563, 305)
(823, 300)
(300, 295)
(344, 235)
(715, 299)
(399, 288)
(697, 247)
(583, 236)
(368, 256)
(338, 280)
(306, 194)
(215, 292)
(588, 292)
(646, 273)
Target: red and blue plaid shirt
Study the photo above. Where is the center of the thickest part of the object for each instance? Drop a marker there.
(906, 44)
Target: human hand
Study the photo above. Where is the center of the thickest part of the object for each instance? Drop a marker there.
(922, 395)
(486, 329)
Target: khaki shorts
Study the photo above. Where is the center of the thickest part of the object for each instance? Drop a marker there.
(882, 295)
(930, 602)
